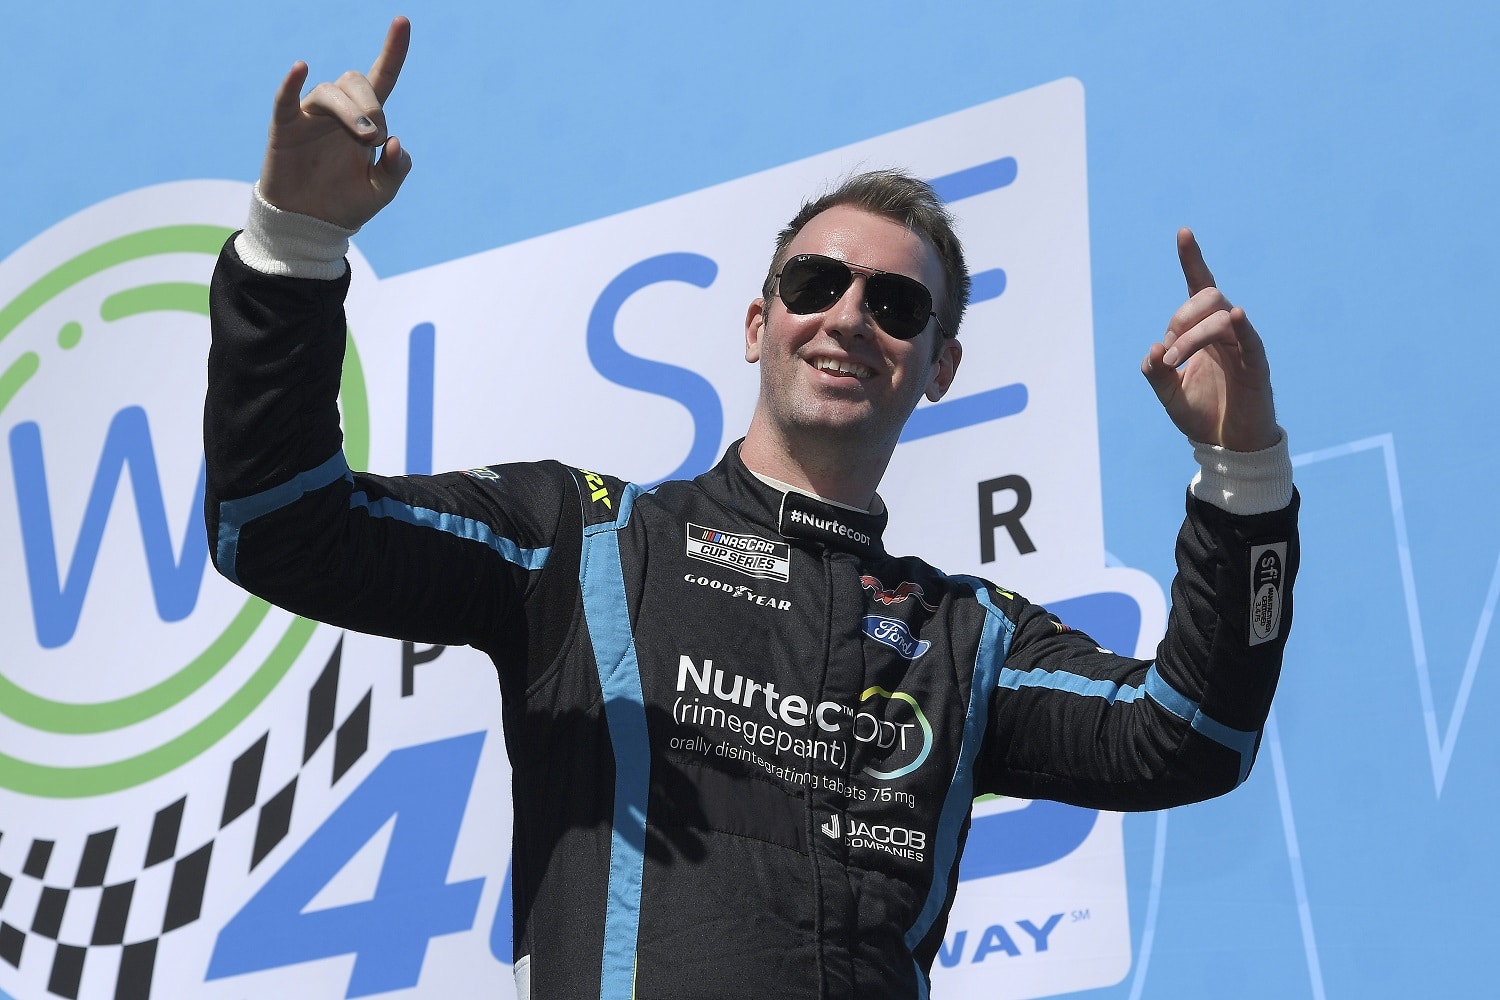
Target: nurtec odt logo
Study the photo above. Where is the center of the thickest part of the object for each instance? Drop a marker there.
(897, 729)
(127, 656)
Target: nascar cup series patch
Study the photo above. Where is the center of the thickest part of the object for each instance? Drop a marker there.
(749, 554)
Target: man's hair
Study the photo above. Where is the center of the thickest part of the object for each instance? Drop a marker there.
(895, 195)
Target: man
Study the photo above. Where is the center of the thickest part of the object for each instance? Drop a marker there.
(768, 795)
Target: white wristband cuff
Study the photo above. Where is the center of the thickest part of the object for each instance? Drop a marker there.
(290, 244)
(1244, 482)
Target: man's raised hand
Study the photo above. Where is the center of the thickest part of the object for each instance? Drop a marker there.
(1209, 370)
(321, 157)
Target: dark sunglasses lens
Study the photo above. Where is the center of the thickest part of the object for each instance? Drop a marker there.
(812, 284)
(899, 305)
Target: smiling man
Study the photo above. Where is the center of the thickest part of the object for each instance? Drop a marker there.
(744, 736)
(846, 336)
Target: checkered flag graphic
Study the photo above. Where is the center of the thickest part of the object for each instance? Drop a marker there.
(88, 930)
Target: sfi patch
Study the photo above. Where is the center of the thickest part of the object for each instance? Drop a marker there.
(1267, 583)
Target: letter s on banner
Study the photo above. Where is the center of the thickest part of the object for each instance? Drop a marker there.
(689, 388)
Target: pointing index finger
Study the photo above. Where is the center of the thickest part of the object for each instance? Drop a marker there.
(388, 64)
(1194, 269)
(288, 104)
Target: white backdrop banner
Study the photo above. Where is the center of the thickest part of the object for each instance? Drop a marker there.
(201, 795)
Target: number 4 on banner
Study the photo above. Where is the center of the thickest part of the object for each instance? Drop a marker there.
(426, 789)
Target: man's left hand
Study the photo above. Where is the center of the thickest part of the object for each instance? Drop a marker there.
(1210, 370)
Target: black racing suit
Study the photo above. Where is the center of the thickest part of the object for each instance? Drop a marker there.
(745, 738)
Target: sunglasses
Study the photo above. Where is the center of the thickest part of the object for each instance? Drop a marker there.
(901, 306)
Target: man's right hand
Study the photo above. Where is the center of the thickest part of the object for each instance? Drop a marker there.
(321, 155)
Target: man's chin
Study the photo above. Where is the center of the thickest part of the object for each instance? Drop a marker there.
(853, 427)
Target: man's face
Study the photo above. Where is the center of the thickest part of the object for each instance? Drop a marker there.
(836, 372)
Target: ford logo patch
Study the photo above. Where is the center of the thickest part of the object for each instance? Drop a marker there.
(894, 633)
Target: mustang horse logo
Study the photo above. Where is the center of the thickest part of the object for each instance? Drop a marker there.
(887, 596)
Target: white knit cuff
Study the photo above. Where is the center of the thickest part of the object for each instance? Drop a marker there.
(290, 244)
(1244, 482)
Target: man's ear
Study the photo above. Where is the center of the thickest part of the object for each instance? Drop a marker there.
(949, 355)
(755, 324)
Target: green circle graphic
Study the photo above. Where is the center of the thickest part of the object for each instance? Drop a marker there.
(77, 718)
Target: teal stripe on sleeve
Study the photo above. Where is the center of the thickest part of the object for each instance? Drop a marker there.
(235, 514)
(453, 524)
(1156, 688)
(1189, 711)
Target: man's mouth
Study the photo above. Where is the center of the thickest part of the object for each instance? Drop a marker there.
(837, 367)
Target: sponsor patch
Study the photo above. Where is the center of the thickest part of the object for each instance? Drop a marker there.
(739, 591)
(831, 526)
(597, 489)
(905, 744)
(1267, 581)
(899, 841)
(751, 555)
(893, 632)
(483, 473)
(901, 592)
(805, 517)
(598, 494)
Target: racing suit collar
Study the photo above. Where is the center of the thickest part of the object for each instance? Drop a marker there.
(796, 515)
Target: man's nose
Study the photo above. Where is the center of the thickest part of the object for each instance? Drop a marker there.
(848, 315)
